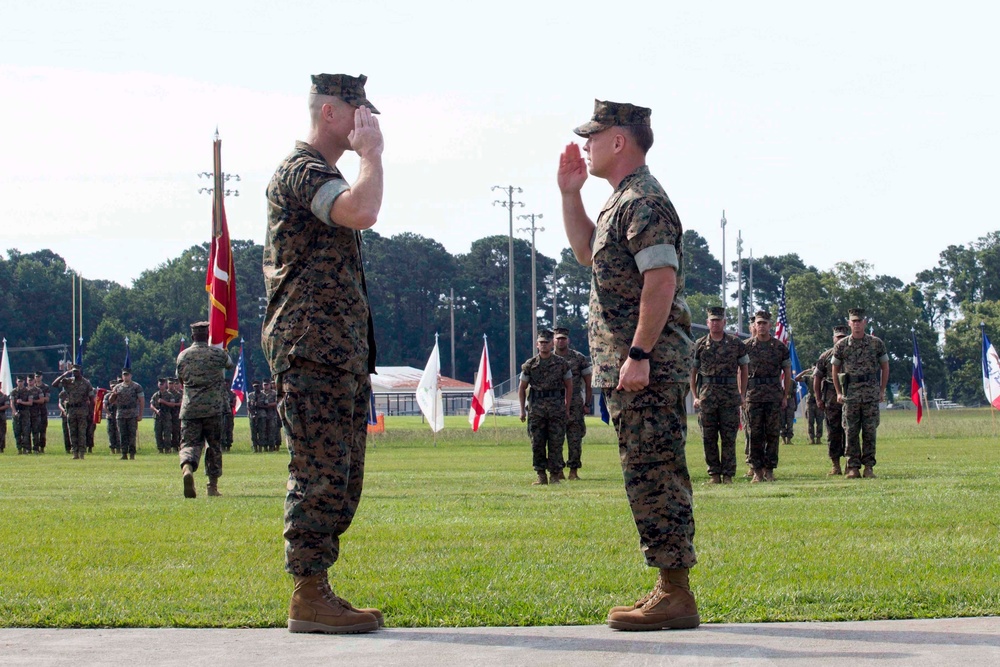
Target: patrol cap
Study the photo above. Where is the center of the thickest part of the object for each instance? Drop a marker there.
(161, 380)
(762, 316)
(126, 371)
(856, 314)
(716, 313)
(199, 327)
(267, 380)
(545, 335)
(561, 332)
(255, 383)
(349, 88)
(38, 374)
(842, 330)
(613, 114)
(75, 367)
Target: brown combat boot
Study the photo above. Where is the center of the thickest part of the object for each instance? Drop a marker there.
(714, 479)
(768, 474)
(213, 486)
(131, 456)
(573, 477)
(853, 473)
(758, 475)
(670, 607)
(727, 479)
(869, 473)
(76, 456)
(315, 608)
(554, 477)
(749, 473)
(542, 479)
(560, 477)
(187, 472)
(835, 470)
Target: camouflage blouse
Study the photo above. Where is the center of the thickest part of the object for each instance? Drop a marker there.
(719, 359)
(861, 360)
(202, 369)
(767, 360)
(128, 400)
(317, 300)
(637, 230)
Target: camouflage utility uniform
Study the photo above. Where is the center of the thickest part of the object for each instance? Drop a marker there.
(833, 412)
(252, 418)
(546, 409)
(717, 364)
(160, 421)
(859, 361)
(269, 423)
(79, 394)
(40, 415)
(764, 391)
(788, 413)
(576, 426)
(111, 413)
(175, 396)
(202, 369)
(129, 403)
(814, 417)
(23, 399)
(319, 341)
(638, 230)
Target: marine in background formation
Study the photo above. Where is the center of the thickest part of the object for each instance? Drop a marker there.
(718, 384)
(544, 393)
(580, 402)
(826, 400)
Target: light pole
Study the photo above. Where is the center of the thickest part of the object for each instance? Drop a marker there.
(739, 281)
(723, 258)
(534, 289)
(509, 204)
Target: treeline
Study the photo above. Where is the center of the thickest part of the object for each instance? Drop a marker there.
(412, 278)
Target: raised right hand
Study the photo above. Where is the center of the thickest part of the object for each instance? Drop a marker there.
(366, 137)
(572, 172)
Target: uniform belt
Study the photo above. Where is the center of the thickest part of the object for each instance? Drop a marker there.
(718, 379)
(75, 405)
(757, 381)
(859, 377)
(547, 393)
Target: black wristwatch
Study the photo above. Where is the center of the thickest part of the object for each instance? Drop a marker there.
(638, 353)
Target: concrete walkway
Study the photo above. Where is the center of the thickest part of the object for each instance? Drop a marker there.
(969, 642)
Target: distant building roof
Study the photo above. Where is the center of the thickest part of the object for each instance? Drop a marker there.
(406, 378)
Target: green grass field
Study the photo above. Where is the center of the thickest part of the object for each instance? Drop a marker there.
(453, 534)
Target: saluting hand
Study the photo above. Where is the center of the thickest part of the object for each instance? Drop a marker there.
(572, 170)
(366, 137)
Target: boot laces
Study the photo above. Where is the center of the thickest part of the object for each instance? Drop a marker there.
(330, 596)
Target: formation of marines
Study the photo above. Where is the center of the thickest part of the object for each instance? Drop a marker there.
(846, 385)
(262, 409)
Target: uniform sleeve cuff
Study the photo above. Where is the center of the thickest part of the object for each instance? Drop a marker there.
(656, 257)
(325, 196)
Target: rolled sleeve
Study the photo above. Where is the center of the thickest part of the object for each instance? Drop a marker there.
(656, 257)
(323, 200)
(744, 360)
(834, 361)
(884, 358)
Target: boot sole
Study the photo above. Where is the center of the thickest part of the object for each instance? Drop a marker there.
(682, 623)
(189, 491)
(309, 626)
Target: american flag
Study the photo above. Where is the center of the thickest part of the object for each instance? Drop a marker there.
(239, 385)
(781, 331)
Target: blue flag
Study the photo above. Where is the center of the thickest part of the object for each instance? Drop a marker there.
(801, 389)
(605, 415)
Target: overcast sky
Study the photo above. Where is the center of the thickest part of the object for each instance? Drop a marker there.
(847, 131)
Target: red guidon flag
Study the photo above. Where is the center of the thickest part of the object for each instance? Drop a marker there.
(482, 395)
(220, 281)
